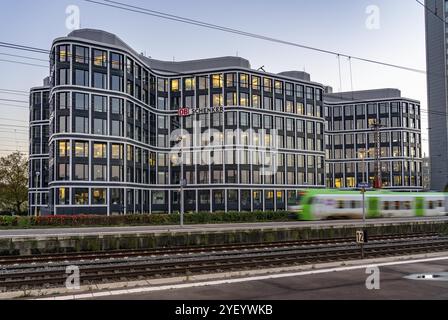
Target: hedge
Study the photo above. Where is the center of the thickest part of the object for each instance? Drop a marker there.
(145, 219)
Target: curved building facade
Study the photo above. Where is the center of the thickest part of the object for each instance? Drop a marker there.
(126, 131)
(373, 133)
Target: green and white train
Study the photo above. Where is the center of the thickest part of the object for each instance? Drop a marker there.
(321, 204)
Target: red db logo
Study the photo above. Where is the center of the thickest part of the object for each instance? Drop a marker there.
(184, 112)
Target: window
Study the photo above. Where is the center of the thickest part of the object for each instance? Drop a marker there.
(116, 105)
(99, 172)
(81, 77)
(203, 83)
(99, 196)
(117, 151)
(99, 150)
(63, 171)
(116, 61)
(244, 119)
(63, 148)
(99, 58)
(217, 100)
(267, 84)
(174, 85)
(81, 101)
(81, 124)
(231, 99)
(309, 93)
(162, 85)
(99, 103)
(116, 173)
(63, 53)
(230, 80)
(244, 80)
(244, 99)
(100, 126)
(81, 172)
(81, 55)
(64, 122)
(256, 101)
(278, 87)
(217, 81)
(81, 149)
(62, 100)
(116, 83)
(256, 83)
(117, 128)
(81, 196)
(189, 84)
(100, 80)
(63, 196)
(64, 77)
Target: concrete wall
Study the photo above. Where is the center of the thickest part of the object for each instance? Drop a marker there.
(40, 245)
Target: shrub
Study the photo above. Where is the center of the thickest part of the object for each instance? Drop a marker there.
(146, 219)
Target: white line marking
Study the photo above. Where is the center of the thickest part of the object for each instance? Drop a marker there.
(238, 280)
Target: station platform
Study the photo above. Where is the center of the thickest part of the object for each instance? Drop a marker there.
(95, 231)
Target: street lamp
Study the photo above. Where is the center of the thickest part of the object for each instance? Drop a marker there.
(35, 195)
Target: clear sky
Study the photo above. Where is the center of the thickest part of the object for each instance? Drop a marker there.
(328, 24)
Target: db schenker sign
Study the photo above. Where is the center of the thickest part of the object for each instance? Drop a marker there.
(184, 112)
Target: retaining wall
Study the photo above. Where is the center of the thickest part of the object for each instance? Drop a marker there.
(52, 244)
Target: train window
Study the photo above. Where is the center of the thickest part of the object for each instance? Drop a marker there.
(386, 205)
(340, 204)
(397, 205)
(353, 204)
(430, 205)
(440, 204)
(407, 205)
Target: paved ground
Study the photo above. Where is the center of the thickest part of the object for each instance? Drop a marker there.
(333, 285)
(210, 227)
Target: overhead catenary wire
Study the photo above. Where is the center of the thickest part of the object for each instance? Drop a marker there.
(141, 10)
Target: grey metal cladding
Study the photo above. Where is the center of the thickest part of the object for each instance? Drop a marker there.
(386, 93)
(437, 93)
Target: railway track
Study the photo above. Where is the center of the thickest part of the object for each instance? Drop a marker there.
(221, 258)
(76, 256)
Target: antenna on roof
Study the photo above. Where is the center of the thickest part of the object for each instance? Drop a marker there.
(174, 59)
(237, 53)
(261, 68)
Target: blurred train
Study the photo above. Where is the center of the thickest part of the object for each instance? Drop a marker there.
(321, 204)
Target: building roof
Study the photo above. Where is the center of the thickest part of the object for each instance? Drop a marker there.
(374, 94)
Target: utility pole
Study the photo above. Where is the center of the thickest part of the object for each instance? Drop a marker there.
(378, 178)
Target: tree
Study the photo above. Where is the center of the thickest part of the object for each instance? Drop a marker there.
(13, 182)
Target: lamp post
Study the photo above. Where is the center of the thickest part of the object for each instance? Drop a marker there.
(35, 195)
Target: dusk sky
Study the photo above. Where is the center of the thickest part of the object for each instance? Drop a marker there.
(326, 24)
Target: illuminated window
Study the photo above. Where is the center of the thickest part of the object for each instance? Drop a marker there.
(338, 183)
(267, 84)
(244, 99)
(63, 196)
(244, 80)
(256, 83)
(81, 149)
(217, 100)
(64, 53)
(175, 85)
(81, 196)
(278, 87)
(64, 148)
(117, 151)
(217, 81)
(189, 84)
(256, 101)
(99, 150)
